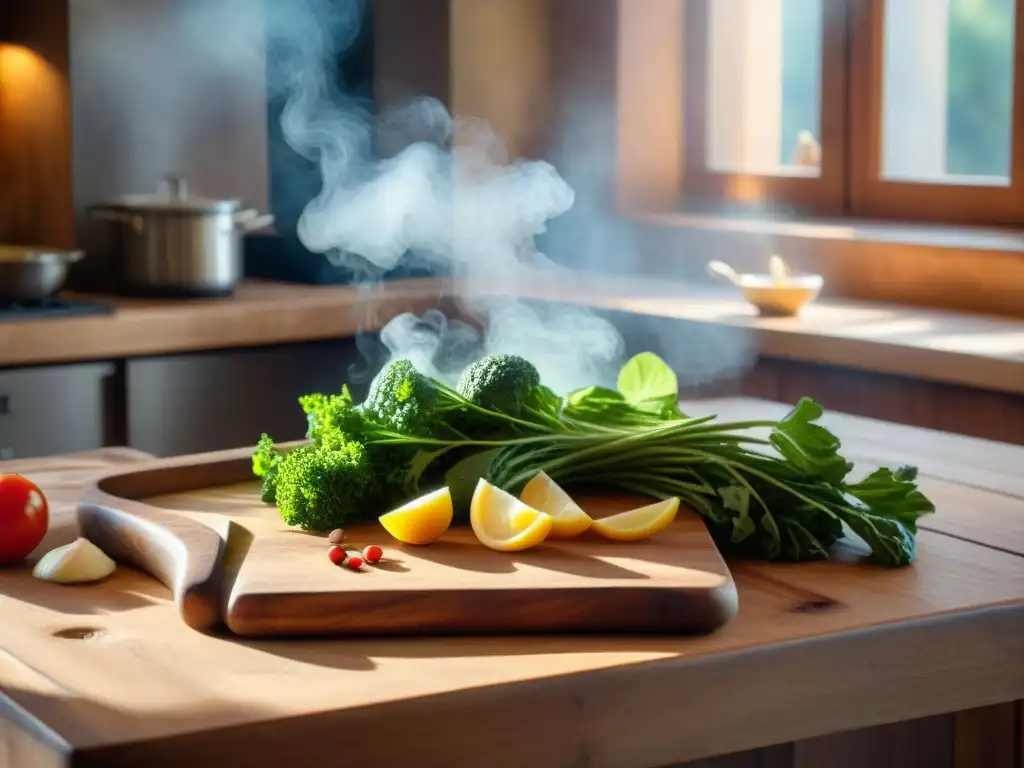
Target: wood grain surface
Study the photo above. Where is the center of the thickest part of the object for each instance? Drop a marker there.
(969, 350)
(110, 673)
(277, 581)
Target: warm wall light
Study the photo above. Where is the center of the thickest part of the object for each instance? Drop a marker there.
(27, 81)
(20, 65)
(34, 149)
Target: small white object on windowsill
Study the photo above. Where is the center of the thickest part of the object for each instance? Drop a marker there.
(808, 151)
(779, 293)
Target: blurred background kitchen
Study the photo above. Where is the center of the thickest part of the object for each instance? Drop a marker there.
(154, 290)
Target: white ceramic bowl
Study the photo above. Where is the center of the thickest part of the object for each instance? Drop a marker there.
(784, 299)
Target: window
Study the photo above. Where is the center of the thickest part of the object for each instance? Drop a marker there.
(900, 109)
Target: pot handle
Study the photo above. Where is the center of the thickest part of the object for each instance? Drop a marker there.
(117, 217)
(250, 220)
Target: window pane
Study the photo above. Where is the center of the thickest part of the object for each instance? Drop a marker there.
(948, 91)
(764, 86)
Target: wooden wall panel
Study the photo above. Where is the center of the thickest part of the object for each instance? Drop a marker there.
(35, 135)
(980, 738)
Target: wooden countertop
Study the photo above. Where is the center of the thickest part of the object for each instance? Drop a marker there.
(111, 672)
(970, 350)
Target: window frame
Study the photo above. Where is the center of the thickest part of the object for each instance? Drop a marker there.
(849, 183)
(875, 197)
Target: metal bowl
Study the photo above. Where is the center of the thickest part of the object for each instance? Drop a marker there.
(29, 274)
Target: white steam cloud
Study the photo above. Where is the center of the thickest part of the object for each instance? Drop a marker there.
(450, 196)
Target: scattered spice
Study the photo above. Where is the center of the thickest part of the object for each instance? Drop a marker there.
(336, 537)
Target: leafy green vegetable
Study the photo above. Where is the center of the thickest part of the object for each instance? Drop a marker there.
(503, 383)
(786, 496)
(647, 377)
(402, 399)
(265, 461)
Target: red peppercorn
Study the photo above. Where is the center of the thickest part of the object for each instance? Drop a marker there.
(373, 554)
(355, 563)
(337, 555)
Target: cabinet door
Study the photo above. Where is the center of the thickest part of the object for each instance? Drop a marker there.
(52, 410)
(212, 401)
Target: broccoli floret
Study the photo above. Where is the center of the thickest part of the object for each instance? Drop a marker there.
(332, 419)
(321, 489)
(265, 462)
(500, 383)
(402, 399)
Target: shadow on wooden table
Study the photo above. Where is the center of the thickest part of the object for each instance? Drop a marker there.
(126, 590)
(454, 554)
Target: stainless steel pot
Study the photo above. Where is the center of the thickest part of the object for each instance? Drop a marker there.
(174, 244)
(30, 275)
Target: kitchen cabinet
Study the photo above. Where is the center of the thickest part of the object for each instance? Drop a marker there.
(55, 409)
(211, 401)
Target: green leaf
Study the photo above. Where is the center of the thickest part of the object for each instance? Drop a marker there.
(609, 408)
(666, 407)
(893, 495)
(736, 498)
(462, 479)
(647, 377)
(891, 542)
(808, 446)
(600, 405)
(421, 462)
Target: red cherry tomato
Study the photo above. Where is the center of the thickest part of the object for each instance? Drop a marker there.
(24, 518)
(337, 555)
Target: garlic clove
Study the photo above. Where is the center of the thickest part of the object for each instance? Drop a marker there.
(75, 563)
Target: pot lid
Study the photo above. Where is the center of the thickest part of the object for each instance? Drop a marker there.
(21, 253)
(173, 196)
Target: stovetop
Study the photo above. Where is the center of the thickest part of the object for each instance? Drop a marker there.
(53, 308)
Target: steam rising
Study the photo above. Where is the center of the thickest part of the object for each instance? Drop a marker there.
(449, 197)
(452, 199)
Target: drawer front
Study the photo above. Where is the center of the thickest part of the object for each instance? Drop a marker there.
(53, 410)
(213, 401)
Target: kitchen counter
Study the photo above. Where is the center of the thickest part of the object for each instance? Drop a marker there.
(821, 657)
(968, 350)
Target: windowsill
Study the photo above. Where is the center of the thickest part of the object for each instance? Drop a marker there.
(966, 269)
(849, 230)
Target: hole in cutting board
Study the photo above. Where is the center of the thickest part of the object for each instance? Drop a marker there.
(79, 633)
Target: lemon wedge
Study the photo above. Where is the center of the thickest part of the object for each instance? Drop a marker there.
(422, 521)
(544, 494)
(503, 522)
(637, 524)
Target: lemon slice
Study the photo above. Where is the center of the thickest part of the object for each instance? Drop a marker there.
(637, 524)
(502, 522)
(544, 494)
(422, 521)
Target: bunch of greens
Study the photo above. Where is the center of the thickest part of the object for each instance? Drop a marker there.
(769, 490)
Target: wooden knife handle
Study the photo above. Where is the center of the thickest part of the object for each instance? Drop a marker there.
(184, 555)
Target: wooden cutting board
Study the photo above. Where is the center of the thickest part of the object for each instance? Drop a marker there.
(197, 525)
